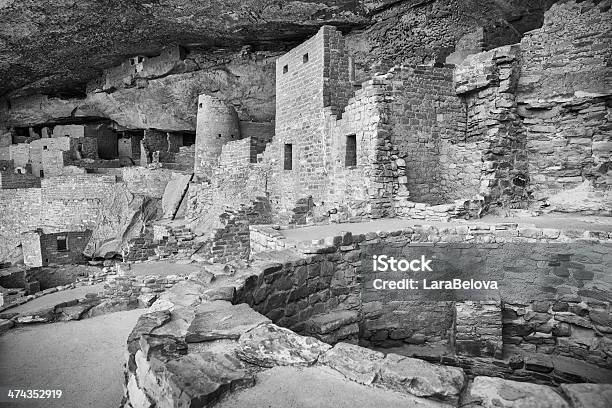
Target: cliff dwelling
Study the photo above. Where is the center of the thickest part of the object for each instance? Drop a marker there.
(399, 204)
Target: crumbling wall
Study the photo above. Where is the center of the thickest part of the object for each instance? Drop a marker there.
(12, 180)
(20, 211)
(428, 133)
(564, 101)
(76, 242)
(363, 188)
(236, 153)
(488, 81)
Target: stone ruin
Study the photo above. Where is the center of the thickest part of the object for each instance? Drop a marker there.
(518, 131)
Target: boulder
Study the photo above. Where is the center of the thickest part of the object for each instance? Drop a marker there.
(493, 392)
(420, 378)
(74, 312)
(222, 320)
(268, 345)
(589, 395)
(183, 294)
(354, 362)
(173, 194)
(145, 325)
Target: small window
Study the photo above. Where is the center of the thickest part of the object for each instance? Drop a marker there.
(288, 157)
(232, 136)
(219, 135)
(351, 151)
(285, 69)
(131, 61)
(41, 174)
(140, 59)
(200, 104)
(62, 244)
(45, 148)
(305, 58)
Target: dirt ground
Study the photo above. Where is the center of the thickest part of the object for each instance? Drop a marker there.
(82, 358)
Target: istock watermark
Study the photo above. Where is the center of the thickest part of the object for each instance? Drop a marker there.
(385, 263)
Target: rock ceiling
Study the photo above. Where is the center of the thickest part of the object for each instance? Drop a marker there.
(55, 46)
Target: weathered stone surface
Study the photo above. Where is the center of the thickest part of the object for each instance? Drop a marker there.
(138, 398)
(589, 395)
(145, 325)
(202, 277)
(492, 392)
(39, 316)
(269, 345)
(420, 378)
(183, 294)
(219, 293)
(73, 312)
(5, 325)
(354, 362)
(193, 380)
(147, 299)
(173, 194)
(538, 362)
(328, 322)
(178, 325)
(222, 320)
(111, 306)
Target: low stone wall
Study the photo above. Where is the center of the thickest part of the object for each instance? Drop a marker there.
(549, 280)
(195, 347)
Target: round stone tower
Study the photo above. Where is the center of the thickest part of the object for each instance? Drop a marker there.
(217, 124)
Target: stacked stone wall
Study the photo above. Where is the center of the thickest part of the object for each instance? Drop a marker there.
(12, 180)
(236, 154)
(564, 101)
(488, 81)
(428, 122)
(553, 292)
(76, 242)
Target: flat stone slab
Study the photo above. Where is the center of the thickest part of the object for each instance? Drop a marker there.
(182, 294)
(354, 362)
(45, 315)
(420, 378)
(269, 345)
(203, 377)
(222, 320)
(145, 325)
(74, 312)
(178, 326)
(493, 392)
(328, 322)
(589, 395)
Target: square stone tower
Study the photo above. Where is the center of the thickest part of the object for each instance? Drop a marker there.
(312, 82)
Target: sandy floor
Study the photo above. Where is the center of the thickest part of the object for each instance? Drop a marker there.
(316, 387)
(82, 358)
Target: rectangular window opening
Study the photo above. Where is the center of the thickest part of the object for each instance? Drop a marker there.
(351, 151)
(285, 69)
(305, 58)
(288, 157)
(62, 244)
